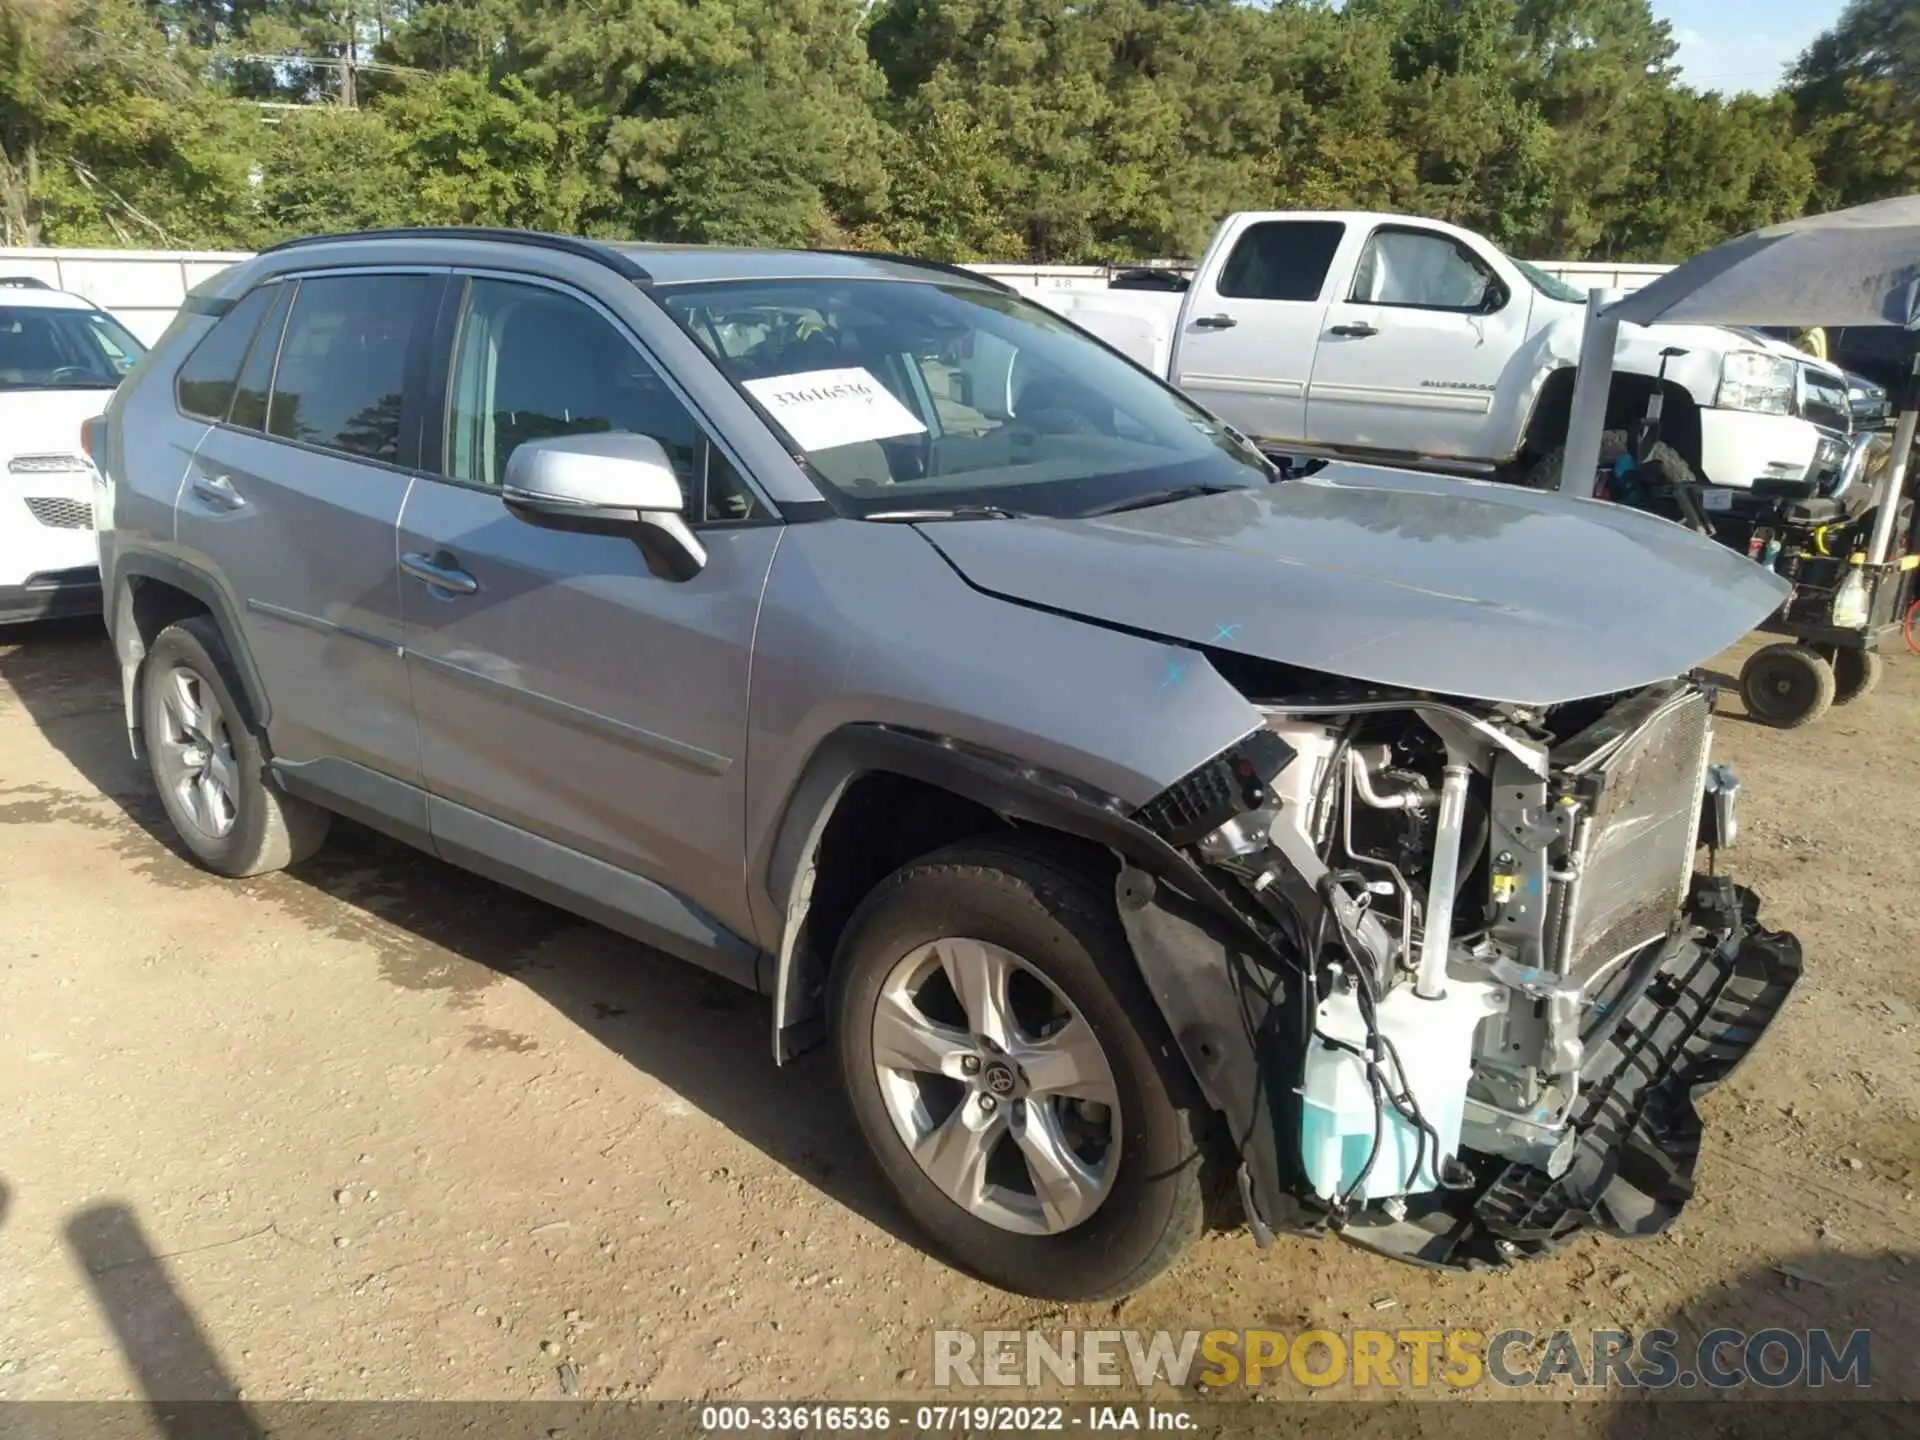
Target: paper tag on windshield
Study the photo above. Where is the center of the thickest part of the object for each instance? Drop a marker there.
(825, 408)
(1711, 499)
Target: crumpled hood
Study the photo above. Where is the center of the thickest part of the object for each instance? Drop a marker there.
(1456, 587)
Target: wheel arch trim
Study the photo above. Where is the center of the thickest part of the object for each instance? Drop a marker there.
(1007, 786)
(130, 648)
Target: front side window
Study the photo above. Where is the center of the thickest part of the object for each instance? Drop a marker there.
(1421, 269)
(903, 394)
(1281, 260)
(530, 363)
(42, 348)
(343, 362)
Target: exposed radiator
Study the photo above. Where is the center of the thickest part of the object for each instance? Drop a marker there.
(1642, 772)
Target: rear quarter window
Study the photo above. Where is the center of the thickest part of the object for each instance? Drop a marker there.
(204, 386)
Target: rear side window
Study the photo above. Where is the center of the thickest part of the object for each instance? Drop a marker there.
(1281, 260)
(205, 384)
(343, 363)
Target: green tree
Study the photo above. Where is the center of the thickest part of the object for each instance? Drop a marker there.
(106, 138)
(1857, 89)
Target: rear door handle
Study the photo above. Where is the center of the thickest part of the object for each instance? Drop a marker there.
(1359, 331)
(217, 491)
(440, 572)
(1214, 322)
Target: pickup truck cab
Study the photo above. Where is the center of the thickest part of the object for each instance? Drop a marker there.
(1410, 341)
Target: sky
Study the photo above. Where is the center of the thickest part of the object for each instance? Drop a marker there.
(1731, 45)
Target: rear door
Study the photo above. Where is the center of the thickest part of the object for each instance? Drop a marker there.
(1245, 347)
(583, 720)
(292, 501)
(1412, 356)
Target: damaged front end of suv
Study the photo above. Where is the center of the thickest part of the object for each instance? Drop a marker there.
(1474, 980)
(1440, 934)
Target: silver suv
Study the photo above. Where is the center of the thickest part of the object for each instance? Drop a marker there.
(1152, 837)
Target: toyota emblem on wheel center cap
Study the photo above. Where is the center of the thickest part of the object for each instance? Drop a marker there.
(1000, 1078)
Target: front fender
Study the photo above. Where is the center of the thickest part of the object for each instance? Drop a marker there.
(1007, 786)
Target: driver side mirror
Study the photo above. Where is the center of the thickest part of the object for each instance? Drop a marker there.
(608, 483)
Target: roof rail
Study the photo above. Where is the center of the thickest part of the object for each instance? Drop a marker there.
(23, 282)
(992, 282)
(617, 261)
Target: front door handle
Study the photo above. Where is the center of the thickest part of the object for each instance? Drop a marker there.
(1214, 322)
(440, 572)
(1359, 330)
(217, 491)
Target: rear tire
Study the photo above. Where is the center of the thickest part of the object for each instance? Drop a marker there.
(1855, 673)
(208, 763)
(1786, 686)
(1020, 909)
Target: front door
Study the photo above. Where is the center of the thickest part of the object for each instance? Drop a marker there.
(581, 717)
(1410, 361)
(1248, 331)
(293, 498)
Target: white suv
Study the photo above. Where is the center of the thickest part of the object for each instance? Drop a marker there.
(60, 359)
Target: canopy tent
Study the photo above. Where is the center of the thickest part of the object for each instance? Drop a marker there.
(1853, 267)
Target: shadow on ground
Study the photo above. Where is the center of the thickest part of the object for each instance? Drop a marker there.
(439, 928)
(1776, 1320)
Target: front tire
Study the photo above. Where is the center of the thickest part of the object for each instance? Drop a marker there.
(208, 764)
(1012, 1076)
(1786, 686)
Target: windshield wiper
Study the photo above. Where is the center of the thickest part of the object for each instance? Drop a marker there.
(1158, 497)
(949, 512)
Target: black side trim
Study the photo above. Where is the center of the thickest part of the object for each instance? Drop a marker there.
(202, 587)
(622, 901)
(619, 262)
(380, 802)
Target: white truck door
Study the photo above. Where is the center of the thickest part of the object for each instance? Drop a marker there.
(1411, 358)
(1247, 332)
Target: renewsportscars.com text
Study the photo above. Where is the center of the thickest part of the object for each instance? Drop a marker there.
(1414, 1359)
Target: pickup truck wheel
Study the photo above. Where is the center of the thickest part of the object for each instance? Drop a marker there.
(1544, 473)
(1012, 1076)
(208, 764)
(1786, 686)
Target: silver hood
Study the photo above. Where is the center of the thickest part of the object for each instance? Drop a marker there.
(1454, 587)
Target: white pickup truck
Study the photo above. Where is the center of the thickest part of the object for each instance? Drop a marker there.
(1413, 342)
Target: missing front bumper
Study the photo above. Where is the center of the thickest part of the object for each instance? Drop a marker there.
(1652, 1052)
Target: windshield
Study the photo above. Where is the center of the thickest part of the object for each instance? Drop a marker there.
(1547, 285)
(42, 348)
(908, 396)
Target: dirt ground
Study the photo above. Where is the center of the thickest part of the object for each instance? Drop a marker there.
(378, 1129)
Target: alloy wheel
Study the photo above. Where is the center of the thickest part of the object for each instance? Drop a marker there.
(195, 751)
(997, 1086)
